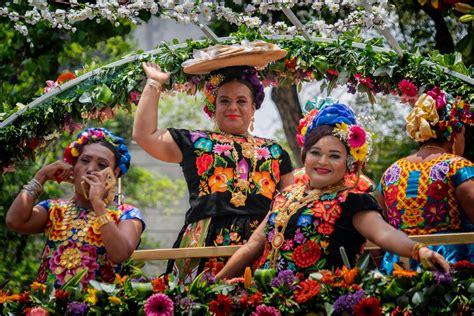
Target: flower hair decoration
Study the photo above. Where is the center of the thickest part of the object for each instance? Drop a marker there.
(95, 135)
(345, 127)
(221, 76)
(310, 110)
(437, 114)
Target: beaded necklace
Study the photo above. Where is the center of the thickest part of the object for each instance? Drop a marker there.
(239, 194)
(291, 206)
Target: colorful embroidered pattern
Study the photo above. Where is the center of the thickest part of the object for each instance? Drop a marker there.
(420, 197)
(74, 243)
(307, 249)
(216, 164)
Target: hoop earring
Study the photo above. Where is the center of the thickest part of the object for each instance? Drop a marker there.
(252, 121)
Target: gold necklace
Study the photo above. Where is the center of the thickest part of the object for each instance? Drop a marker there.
(81, 225)
(248, 151)
(291, 206)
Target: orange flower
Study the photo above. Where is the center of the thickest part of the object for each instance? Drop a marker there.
(399, 272)
(412, 217)
(218, 181)
(119, 279)
(247, 277)
(36, 286)
(159, 285)
(65, 77)
(265, 182)
(349, 275)
(307, 290)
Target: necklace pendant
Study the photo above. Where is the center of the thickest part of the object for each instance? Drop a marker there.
(242, 184)
(248, 150)
(277, 240)
(238, 199)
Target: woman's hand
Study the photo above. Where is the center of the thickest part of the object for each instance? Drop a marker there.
(58, 171)
(153, 71)
(434, 260)
(97, 190)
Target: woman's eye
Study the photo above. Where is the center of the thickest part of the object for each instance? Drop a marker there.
(103, 166)
(335, 156)
(315, 153)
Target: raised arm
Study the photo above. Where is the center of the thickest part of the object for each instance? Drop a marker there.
(155, 141)
(23, 216)
(246, 255)
(372, 226)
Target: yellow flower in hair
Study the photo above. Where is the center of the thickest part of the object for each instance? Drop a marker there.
(216, 80)
(304, 130)
(74, 152)
(341, 128)
(360, 153)
(421, 118)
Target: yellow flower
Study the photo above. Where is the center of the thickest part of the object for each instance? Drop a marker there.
(304, 130)
(91, 296)
(360, 153)
(216, 80)
(74, 152)
(36, 286)
(341, 127)
(115, 300)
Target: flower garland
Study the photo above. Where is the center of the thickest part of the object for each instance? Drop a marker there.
(336, 63)
(345, 291)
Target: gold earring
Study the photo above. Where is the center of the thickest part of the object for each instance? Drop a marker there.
(251, 127)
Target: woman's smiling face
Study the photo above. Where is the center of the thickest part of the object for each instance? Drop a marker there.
(326, 162)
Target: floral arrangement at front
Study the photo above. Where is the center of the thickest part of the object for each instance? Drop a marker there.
(342, 292)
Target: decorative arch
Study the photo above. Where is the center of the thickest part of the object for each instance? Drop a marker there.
(361, 66)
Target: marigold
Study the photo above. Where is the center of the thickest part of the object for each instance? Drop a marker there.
(221, 306)
(307, 290)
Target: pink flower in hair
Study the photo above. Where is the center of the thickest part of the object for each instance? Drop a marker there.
(357, 136)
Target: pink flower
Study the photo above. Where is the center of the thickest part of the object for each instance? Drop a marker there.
(439, 96)
(135, 97)
(263, 310)
(50, 85)
(364, 80)
(263, 152)
(408, 88)
(159, 305)
(38, 311)
(357, 136)
(223, 148)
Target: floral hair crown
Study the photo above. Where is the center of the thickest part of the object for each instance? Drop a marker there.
(216, 78)
(437, 114)
(94, 135)
(345, 127)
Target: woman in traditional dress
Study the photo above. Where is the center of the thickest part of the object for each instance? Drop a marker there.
(309, 223)
(432, 190)
(90, 231)
(231, 175)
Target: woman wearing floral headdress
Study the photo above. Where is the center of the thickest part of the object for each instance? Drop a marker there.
(432, 190)
(310, 222)
(231, 175)
(90, 231)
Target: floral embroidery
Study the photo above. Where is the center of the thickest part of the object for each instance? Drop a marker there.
(392, 174)
(438, 190)
(220, 171)
(412, 217)
(439, 171)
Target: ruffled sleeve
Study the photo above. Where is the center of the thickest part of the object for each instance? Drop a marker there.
(131, 212)
(463, 174)
(45, 204)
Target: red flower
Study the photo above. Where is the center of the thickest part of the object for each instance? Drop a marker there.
(65, 77)
(438, 190)
(256, 298)
(307, 254)
(159, 285)
(408, 88)
(221, 306)
(135, 97)
(325, 228)
(463, 265)
(308, 289)
(244, 301)
(333, 72)
(61, 295)
(367, 81)
(391, 195)
(276, 170)
(368, 307)
(203, 162)
(290, 63)
(214, 266)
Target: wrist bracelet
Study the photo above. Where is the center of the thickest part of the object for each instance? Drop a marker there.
(33, 188)
(103, 219)
(416, 251)
(155, 84)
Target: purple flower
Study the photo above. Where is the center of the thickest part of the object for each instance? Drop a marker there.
(346, 303)
(263, 310)
(208, 277)
(392, 174)
(76, 309)
(439, 171)
(284, 278)
(442, 278)
(196, 135)
(299, 237)
(159, 305)
(185, 303)
(139, 280)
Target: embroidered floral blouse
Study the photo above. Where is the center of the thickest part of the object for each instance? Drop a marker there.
(229, 175)
(317, 230)
(73, 243)
(420, 197)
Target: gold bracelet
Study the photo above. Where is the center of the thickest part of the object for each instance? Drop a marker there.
(103, 219)
(416, 251)
(155, 84)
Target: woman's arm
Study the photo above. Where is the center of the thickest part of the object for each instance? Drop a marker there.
(23, 216)
(157, 142)
(246, 255)
(372, 226)
(465, 197)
